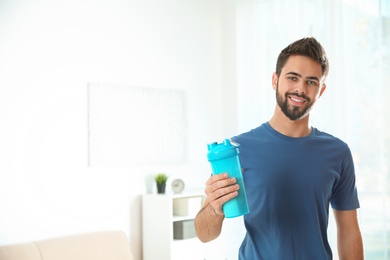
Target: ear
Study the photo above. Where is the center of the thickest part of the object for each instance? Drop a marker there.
(322, 89)
(274, 80)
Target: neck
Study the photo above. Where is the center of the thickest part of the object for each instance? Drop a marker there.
(288, 127)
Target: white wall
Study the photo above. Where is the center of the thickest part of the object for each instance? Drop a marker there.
(49, 51)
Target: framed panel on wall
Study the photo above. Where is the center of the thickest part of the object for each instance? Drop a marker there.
(133, 126)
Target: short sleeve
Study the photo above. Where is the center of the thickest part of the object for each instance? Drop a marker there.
(345, 195)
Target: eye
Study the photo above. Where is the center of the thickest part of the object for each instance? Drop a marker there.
(312, 82)
(293, 78)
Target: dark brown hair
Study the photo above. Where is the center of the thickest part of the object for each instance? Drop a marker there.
(308, 47)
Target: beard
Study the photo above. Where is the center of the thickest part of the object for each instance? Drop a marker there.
(292, 112)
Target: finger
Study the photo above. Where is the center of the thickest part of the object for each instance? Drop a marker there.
(217, 204)
(217, 177)
(219, 184)
(225, 190)
(217, 194)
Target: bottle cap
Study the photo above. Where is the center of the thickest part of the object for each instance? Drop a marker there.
(218, 151)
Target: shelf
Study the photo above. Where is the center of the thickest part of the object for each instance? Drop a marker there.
(182, 218)
(171, 209)
(176, 213)
(186, 194)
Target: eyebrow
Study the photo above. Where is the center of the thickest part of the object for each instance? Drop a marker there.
(299, 75)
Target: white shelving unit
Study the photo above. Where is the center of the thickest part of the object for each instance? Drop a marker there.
(159, 213)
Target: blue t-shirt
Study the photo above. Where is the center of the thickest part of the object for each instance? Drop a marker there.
(290, 183)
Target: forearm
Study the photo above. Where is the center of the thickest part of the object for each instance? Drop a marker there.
(349, 238)
(350, 246)
(208, 223)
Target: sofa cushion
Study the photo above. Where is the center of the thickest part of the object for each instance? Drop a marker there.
(27, 251)
(106, 245)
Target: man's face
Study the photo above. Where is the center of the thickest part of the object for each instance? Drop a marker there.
(298, 87)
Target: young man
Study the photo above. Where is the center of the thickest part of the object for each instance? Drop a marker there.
(292, 173)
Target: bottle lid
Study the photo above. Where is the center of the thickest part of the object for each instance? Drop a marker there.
(218, 151)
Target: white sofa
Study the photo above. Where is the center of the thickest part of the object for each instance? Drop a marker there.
(107, 245)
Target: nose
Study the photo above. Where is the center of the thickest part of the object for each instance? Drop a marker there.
(300, 87)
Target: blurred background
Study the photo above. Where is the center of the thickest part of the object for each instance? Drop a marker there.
(217, 57)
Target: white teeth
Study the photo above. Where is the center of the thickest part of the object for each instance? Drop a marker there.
(297, 100)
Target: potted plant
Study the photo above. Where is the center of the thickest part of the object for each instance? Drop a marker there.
(161, 181)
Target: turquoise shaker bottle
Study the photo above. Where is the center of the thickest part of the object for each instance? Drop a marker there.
(223, 157)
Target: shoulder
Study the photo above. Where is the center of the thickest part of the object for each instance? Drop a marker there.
(330, 142)
(320, 135)
(255, 133)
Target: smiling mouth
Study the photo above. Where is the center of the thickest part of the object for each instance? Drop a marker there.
(297, 100)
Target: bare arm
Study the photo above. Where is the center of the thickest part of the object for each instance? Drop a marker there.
(349, 238)
(208, 222)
